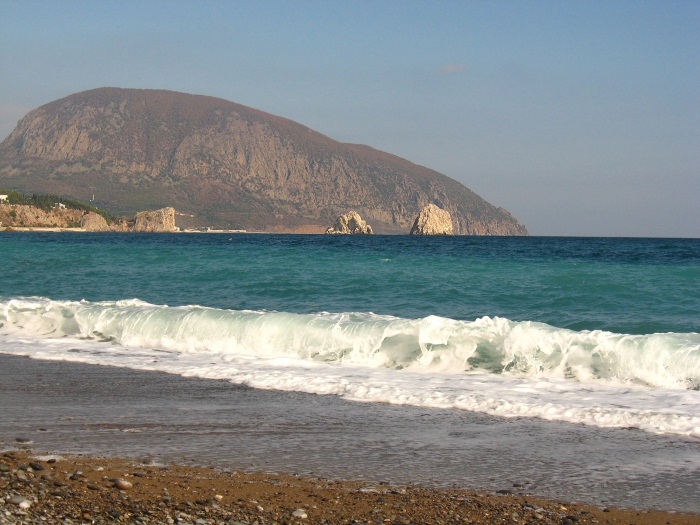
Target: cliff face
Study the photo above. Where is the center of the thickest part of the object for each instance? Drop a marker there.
(25, 216)
(228, 165)
(93, 222)
(15, 215)
(155, 221)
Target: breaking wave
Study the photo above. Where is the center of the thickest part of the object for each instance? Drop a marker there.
(432, 344)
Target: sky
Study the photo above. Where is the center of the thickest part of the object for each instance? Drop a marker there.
(581, 118)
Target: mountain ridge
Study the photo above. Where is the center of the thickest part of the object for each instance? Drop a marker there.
(227, 164)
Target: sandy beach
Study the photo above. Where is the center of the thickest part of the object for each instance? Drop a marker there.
(334, 460)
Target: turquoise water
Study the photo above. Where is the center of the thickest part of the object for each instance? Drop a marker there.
(634, 286)
(596, 331)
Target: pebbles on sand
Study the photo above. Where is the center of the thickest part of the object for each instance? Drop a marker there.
(200, 496)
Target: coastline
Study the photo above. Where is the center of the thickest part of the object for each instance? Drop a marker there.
(25, 229)
(102, 411)
(38, 229)
(43, 487)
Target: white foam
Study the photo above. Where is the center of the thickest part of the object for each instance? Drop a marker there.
(432, 344)
(490, 365)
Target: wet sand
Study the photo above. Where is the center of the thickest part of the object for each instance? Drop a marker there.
(95, 411)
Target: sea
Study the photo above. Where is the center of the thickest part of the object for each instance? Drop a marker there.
(596, 334)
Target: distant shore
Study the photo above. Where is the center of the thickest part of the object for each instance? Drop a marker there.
(10, 229)
(25, 229)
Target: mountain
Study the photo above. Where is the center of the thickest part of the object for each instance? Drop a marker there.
(224, 165)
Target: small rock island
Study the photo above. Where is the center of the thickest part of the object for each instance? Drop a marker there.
(350, 223)
(432, 221)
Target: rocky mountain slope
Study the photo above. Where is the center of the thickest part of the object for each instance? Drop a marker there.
(224, 165)
(33, 217)
(22, 216)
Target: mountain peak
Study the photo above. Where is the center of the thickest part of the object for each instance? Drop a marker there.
(225, 164)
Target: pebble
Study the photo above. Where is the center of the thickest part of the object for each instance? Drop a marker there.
(300, 513)
(122, 484)
(37, 466)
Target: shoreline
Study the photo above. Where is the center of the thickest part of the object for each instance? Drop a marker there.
(29, 229)
(41, 229)
(38, 486)
(102, 411)
(25, 229)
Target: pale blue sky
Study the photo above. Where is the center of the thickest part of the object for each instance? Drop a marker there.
(581, 118)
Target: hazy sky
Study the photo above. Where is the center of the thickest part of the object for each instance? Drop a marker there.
(580, 117)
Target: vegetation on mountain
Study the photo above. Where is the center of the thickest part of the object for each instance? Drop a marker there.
(47, 202)
(225, 165)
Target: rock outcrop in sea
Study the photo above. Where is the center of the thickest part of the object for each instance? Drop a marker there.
(432, 220)
(350, 223)
(162, 220)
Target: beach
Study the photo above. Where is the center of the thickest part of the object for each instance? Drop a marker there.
(298, 451)
(50, 489)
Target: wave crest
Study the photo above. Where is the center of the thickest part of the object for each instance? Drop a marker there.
(431, 344)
